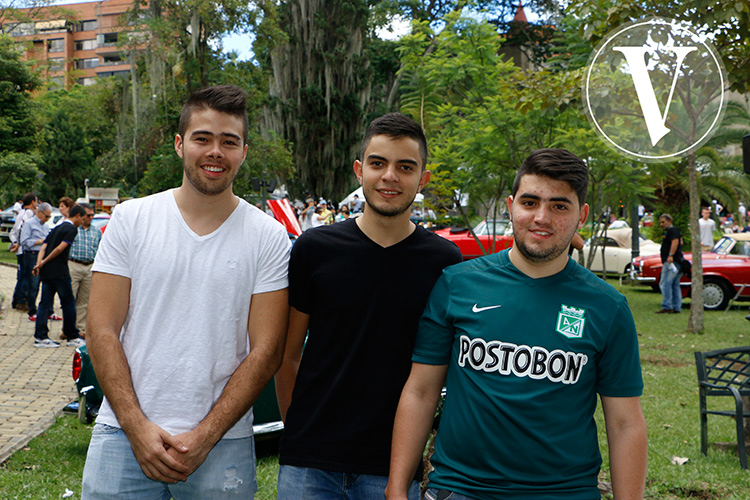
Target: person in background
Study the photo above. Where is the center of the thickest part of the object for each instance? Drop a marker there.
(64, 205)
(338, 399)
(33, 234)
(306, 218)
(357, 204)
(326, 215)
(706, 226)
(523, 341)
(52, 269)
(741, 214)
(671, 272)
(343, 214)
(80, 260)
(23, 273)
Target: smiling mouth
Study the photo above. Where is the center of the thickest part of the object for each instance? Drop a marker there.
(210, 168)
(388, 193)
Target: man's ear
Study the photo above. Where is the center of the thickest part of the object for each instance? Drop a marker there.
(510, 207)
(424, 180)
(358, 170)
(584, 215)
(178, 145)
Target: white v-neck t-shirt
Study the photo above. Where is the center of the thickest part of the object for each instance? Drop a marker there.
(186, 329)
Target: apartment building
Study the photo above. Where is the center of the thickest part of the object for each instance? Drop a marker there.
(77, 44)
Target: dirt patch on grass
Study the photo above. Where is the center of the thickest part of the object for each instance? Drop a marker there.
(663, 361)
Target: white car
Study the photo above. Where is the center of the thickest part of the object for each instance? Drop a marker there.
(617, 250)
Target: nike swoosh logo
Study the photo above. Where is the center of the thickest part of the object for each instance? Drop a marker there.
(480, 309)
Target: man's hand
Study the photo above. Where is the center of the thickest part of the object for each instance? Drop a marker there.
(13, 247)
(35, 271)
(152, 445)
(196, 449)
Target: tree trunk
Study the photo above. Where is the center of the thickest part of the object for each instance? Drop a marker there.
(322, 88)
(695, 322)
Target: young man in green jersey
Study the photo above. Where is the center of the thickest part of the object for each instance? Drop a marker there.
(524, 340)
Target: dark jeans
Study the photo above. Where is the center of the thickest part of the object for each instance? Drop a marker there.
(62, 287)
(19, 293)
(32, 288)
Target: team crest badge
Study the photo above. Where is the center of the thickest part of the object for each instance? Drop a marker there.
(570, 322)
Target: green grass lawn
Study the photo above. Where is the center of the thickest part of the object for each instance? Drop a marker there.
(5, 255)
(54, 461)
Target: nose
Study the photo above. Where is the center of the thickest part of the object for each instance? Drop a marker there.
(542, 213)
(215, 150)
(390, 174)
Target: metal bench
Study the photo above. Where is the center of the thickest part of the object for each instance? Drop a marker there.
(724, 372)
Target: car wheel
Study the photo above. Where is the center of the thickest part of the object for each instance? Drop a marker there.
(716, 294)
(84, 415)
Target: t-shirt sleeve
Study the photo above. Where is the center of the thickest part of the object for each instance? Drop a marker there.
(70, 233)
(435, 332)
(273, 267)
(113, 254)
(300, 280)
(619, 366)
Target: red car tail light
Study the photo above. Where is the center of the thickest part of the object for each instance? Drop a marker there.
(76, 366)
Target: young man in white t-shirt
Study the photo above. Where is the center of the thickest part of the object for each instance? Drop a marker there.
(707, 226)
(187, 322)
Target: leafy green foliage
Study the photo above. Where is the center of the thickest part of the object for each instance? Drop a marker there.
(18, 164)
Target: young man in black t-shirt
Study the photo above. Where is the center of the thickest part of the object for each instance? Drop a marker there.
(338, 400)
(671, 257)
(52, 268)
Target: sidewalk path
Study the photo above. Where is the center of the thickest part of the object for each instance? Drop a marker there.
(35, 384)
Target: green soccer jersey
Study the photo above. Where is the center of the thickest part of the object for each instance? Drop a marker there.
(526, 359)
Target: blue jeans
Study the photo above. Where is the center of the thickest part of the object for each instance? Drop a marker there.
(297, 483)
(67, 301)
(111, 471)
(435, 494)
(32, 288)
(669, 284)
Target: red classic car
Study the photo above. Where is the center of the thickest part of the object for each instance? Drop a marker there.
(469, 247)
(726, 271)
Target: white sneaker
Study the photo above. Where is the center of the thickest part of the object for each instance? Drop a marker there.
(45, 343)
(77, 342)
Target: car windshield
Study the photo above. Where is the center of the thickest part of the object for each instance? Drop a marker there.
(730, 246)
(485, 228)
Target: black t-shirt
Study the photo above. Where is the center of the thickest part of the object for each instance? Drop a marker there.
(58, 267)
(364, 303)
(669, 236)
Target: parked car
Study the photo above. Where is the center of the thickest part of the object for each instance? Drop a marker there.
(266, 423)
(101, 220)
(617, 250)
(7, 219)
(726, 271)
(470, 249)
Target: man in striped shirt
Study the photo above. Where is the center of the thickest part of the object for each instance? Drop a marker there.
(80, 260)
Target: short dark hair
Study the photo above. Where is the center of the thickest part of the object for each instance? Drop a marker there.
(558, 164)
(76, 210)
(666, 217)
(87, 206)
(28, 198)
(228, 99)
(396, 126)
